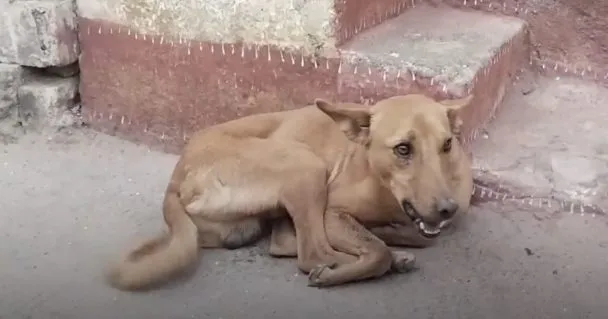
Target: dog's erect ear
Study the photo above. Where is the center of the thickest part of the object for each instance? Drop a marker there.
(457, 103)
(454, 107)
(352, 120)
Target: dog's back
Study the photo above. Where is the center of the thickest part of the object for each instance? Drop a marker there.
(307, 125)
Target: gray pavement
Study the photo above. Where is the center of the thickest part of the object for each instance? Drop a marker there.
(72, 202)
(549, 139)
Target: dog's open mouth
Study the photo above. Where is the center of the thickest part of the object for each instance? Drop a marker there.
(425, 229)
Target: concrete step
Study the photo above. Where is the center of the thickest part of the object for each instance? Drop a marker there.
(355, 16)
(308, 25)
(547, 149)
(440, 51)
(569, 36)
(158, 89)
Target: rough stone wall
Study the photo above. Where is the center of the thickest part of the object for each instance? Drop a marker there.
(39, 53)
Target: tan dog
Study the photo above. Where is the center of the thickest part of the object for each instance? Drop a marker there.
(333, 168)
(454, 169)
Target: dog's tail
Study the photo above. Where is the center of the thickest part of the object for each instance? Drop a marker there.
(160, 258)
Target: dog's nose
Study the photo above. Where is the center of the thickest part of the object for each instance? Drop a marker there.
(447, 207)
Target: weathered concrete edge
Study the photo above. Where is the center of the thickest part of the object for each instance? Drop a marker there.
(318, 25)
(307, 25)
(548, 66)
(415, 53)
(354, 16)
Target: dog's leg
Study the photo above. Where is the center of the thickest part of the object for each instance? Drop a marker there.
(283, 243)
(401, 235)
(257, 175)
(374, 257)
(304, 196)
(229, 235)
(283, 238)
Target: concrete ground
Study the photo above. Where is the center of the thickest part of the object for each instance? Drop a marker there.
(549, 139)
(72, 202)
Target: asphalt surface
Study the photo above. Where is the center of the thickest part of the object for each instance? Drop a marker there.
(71, 203)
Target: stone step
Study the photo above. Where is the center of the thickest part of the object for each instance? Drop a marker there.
(158, 89)
(547, 147)
(355, 16)
(297, 24)
(440, 51)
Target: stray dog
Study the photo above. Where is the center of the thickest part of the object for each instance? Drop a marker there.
(454, 170)
(350, 178)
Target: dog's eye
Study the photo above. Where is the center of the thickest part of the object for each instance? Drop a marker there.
(403, 149)
(447, 145)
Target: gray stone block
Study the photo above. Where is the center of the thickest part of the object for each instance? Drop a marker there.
(38, 33)
(11, 77)
(46, 101)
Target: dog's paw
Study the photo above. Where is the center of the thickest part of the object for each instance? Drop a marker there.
(403, 262)
(317, 276)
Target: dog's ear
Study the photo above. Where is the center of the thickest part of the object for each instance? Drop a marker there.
(353, 120)
(453, 108)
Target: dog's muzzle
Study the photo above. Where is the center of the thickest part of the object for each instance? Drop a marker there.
(425, 229)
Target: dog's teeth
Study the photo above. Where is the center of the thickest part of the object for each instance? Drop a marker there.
(428, 229)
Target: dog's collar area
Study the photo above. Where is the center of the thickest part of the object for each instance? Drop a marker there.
(425, 229)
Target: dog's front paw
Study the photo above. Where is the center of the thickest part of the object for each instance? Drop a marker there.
(403, 262)
(317, 276)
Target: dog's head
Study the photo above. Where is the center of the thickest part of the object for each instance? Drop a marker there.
(413, 148)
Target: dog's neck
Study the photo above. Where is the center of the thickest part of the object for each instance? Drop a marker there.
(356, 177)
(357, 164)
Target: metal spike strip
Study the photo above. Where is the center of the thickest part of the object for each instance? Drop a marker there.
(567, 206)
(367, 21)
(258, 51)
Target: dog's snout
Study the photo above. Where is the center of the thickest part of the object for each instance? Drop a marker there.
(447, 207)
